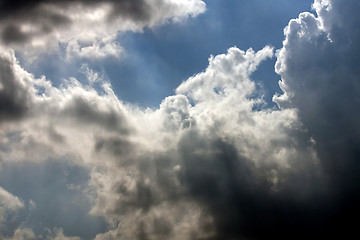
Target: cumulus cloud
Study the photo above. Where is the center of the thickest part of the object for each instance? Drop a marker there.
(318, 65)
(320, 78)
(86, 29)
(212, 162)
(146, 165)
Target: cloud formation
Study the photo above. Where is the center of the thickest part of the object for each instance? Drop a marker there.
(28, 234)
(85, 29)
(9, 204)
(212, 162)
(318, 65)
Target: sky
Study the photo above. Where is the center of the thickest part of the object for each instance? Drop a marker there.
(179, 119)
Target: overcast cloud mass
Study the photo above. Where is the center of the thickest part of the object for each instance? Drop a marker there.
(213, 161)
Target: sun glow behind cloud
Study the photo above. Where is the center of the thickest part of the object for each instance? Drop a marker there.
(212, 162)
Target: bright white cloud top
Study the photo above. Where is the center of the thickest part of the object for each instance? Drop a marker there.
(212, 162)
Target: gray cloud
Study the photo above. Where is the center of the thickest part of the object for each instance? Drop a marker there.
(320, 78)
(135, 10)
(47, 17)
(86, 28)
(83, 111)
(240, 197)
(15, 94)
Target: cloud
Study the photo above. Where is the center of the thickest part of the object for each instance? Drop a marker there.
(319, 77)
(9, 204)
(86, 29)
(318, 65)
(212, 162)
(233, 164)
(15, 95)
(55, 194)
(28, 234)
(146, 165)
(22, 234)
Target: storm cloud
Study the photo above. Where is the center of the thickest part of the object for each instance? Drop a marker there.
(212, 162)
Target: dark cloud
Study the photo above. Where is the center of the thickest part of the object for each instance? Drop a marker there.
(319, 70)
(40, 22)
(12, 33)
(15, 93)
(25, 22)
(241, 200)
(80, 109)
(133, 9)
(322, 78)
(117, 146)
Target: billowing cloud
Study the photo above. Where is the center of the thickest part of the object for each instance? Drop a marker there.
(320, 78)
(146, 166)
(212, 162)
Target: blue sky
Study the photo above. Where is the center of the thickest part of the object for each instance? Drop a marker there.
(170, 54)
